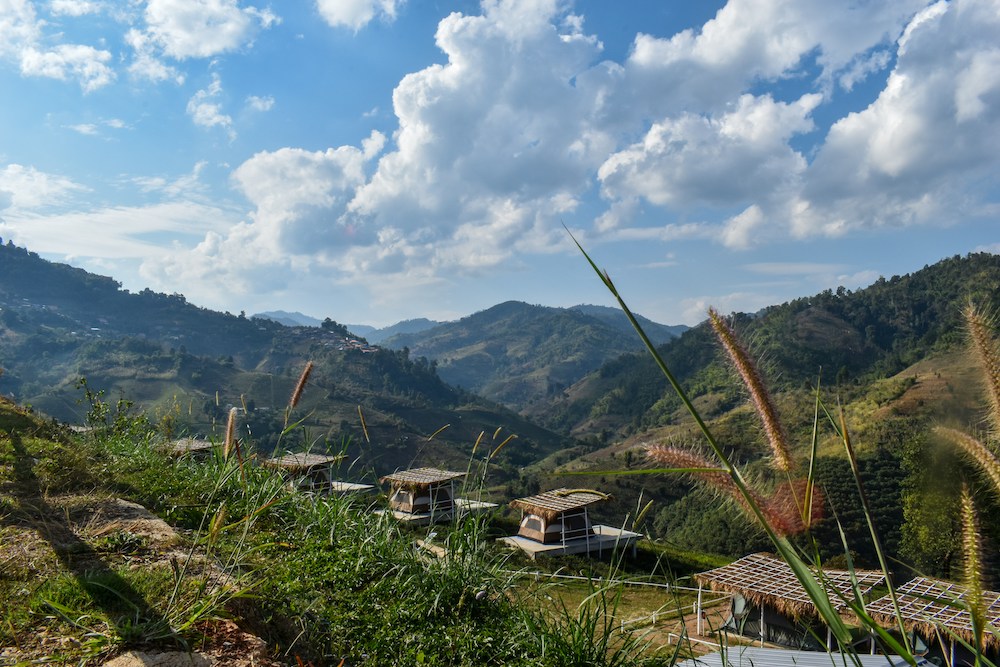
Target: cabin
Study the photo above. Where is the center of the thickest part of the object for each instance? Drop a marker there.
(314, 473)
(193, 447)
(427, 495)
(770, 605)
(558, 522)
(938, 613)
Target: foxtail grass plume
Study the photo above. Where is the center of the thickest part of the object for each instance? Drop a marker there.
(229, 442)
(980, 454)
(972, 573)
(980, 327)
(761, 398)
(779, 509)
(364, 426)
(300, 386)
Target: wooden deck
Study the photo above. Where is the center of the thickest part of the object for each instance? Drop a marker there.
(603, 538)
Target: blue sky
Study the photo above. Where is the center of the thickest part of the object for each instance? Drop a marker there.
(379, 160)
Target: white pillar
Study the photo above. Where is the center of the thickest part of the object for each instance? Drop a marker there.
(698, 624)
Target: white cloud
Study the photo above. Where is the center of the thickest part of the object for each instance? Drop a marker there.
(203, 28)
(206, 110)
(22, 40)
(740, 155)
(85, 128)
(27, 188)
(356, 14)
(919, 152)
(73, 7)
(262, 104)
(85, 63)
(146, 63)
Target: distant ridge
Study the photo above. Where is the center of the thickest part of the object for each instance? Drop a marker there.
(293, 319)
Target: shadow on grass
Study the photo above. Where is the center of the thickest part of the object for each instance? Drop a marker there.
(133, 619)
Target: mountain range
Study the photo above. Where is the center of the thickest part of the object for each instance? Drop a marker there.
(571, 383)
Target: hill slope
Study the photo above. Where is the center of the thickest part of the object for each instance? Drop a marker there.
(521, 355)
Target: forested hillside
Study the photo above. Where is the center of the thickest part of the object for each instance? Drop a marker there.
(841, 338)
(522, 355)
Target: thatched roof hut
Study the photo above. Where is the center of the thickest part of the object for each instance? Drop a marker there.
(422, 490)
(553, 503)
(557, 516)
(765, 580)
(313, 472)
(420, 478)
(929, 605)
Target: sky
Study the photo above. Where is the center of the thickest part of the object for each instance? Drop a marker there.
(379, 160)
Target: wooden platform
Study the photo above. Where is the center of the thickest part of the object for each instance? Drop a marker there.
(603, 538)
(338, 488)
(463, 507)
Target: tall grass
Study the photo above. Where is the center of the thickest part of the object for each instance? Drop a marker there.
(796, 496)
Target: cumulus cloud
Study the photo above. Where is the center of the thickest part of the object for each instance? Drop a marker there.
(933, 132)
(183, 29)
(723, 161)
(203, 28)
(356, 14)
(22, 40)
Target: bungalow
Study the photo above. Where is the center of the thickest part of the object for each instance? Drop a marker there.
(313, 472)
(939, 612)
(427, 495)
(557, 522)
(770, 604)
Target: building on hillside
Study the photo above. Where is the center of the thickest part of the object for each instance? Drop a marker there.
(557, 522)
(314, 473)
(939, 613)
(194, 447)
(770, 605)
(428, 495)
(756, 656)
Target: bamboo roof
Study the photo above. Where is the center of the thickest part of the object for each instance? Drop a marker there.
(926, 605)
(553, 503)
(188, 446)
(766, 579)
(420, 477)
(301, 462)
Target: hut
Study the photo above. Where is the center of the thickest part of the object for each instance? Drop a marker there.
(313, 472)
(194, 447)
(757, 656)
(427, 495)
(770, 604)
(939, 612)
(557, 522)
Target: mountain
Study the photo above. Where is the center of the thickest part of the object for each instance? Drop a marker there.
(842, 338)
(373, 335)
(187, 366)
(521, 355)
(658, 333)
(288, 319)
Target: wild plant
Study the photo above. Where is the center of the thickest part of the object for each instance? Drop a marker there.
(794, 505)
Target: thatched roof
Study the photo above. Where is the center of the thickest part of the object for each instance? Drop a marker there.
(553, 503)
(420, 477)
(764, 579)
(188, 446)
(929, 604)
(301, 462)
